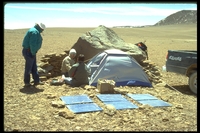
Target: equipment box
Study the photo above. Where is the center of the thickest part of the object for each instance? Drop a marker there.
(105, 86)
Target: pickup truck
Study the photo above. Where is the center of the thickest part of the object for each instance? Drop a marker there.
(183, 62)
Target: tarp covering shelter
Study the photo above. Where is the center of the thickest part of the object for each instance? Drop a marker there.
(117, 65)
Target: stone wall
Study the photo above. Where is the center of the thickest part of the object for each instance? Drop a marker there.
(50, 65)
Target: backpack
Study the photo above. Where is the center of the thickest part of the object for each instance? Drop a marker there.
(142, 46)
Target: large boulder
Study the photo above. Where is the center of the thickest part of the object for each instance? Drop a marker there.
(102, 38)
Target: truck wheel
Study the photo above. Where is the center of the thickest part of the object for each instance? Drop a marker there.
(193, 82)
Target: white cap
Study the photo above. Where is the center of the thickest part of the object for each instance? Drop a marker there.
(72, 51)
(42, 26)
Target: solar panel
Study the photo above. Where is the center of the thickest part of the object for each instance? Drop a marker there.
(155, 103)
(83, 108)
(148, 99)
(141, 96)
(80, 103)
(110, 97)
(76, 99)
(117, 100)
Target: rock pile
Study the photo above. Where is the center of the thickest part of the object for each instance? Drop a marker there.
(153, 71)
(50, 65)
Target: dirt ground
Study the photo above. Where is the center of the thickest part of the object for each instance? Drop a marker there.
(31, 109)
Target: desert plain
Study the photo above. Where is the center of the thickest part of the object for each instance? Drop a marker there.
(31, 109)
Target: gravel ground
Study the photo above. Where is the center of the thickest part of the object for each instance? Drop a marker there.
(31, 109)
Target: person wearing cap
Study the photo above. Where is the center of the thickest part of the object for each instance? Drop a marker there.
(32, 42)
(67, 62)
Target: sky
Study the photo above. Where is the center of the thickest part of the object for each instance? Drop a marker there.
(25, 15)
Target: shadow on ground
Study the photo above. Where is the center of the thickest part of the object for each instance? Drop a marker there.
(184, 89)
(31, 90)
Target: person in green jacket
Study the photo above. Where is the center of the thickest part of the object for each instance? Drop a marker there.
(32, 42)
(79, 73)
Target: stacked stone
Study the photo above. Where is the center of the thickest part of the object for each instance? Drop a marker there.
(50, 65)
(153, 71)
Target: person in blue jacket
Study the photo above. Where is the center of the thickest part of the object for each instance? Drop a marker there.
(32, 42)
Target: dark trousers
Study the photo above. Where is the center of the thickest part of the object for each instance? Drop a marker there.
(30, 67)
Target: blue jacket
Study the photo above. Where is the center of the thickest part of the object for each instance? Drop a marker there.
(33, 39)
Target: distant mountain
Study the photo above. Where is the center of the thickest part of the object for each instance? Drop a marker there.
(180, 17)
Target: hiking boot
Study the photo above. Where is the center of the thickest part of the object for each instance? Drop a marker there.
(39, 83)
(27, 85)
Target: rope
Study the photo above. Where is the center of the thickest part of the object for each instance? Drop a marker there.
(173, 88)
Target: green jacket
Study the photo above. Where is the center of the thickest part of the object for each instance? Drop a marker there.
(33, 39)
(79, 73)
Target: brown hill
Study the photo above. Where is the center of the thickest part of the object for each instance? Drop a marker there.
(180, 17)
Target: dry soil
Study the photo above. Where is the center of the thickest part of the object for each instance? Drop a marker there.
(31, 109)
